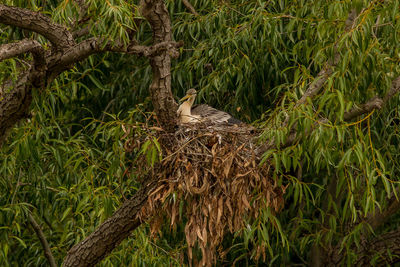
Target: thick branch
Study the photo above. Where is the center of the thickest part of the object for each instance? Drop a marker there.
(96, 45)
(372, 104)
(327, 70)
(57, 34)
(16, 97)
(315, 87)
(14, 49)
(119, 226)
(387, 246)
(379, 245)
(110, 233)
(394, 89)
(385, 249)
(160, 89)
(43, 240)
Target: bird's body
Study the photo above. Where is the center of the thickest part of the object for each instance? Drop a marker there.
(185, 114)
(188, 113)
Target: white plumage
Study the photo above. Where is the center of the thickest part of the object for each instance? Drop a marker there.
(188, 113)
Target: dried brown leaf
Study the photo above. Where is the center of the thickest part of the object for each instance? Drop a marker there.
(173, 214)
(198, 232)
(245, 202)
(220, 209)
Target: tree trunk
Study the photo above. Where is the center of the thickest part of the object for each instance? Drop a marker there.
(160, 89)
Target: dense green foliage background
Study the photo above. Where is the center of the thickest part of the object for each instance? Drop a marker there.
(253, 59)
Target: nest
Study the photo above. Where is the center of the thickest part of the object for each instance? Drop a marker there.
(209, 179)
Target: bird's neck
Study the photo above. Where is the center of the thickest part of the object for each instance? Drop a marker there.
(191, 101)
(186, 108)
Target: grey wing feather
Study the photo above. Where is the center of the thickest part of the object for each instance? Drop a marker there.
(213, 115)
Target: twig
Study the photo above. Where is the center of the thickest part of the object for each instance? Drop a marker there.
(83, 8)
(189, 6)
(81, 32)
(43, 240)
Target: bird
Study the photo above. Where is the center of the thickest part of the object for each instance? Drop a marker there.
(187, 113)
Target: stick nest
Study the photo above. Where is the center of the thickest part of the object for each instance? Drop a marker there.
(210, 180)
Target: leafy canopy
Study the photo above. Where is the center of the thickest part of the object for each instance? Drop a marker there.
(253, 59)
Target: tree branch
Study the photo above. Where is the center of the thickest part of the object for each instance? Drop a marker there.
(81, 32)
(14, 49)
(57, 34)
(315, 87)
(189, 6)
(160, 89)
(83, 8)
(110, 233)
(16, 97)
(394, 89)
(373, 104)
(380, 217)
(387, 246)
(327, 70)
(119, 226)
(94, 45)
(43, 240)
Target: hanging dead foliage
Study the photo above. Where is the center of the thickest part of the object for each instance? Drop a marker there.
(208, 176)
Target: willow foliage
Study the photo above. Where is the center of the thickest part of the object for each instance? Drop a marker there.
(67, 164)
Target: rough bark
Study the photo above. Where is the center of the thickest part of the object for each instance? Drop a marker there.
(110, 233)
(14, 49)
(115, 229)
(382, 216)
(16, 98)
(383, 250)
(59, 63)
(374, 103)
(160, 89)
(26, 19)
(46, 66)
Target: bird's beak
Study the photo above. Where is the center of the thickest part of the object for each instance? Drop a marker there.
(184, 98)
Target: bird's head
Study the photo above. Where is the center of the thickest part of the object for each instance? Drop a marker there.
(190, 94)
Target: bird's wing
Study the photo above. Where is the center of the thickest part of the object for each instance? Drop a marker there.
(213, 115)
